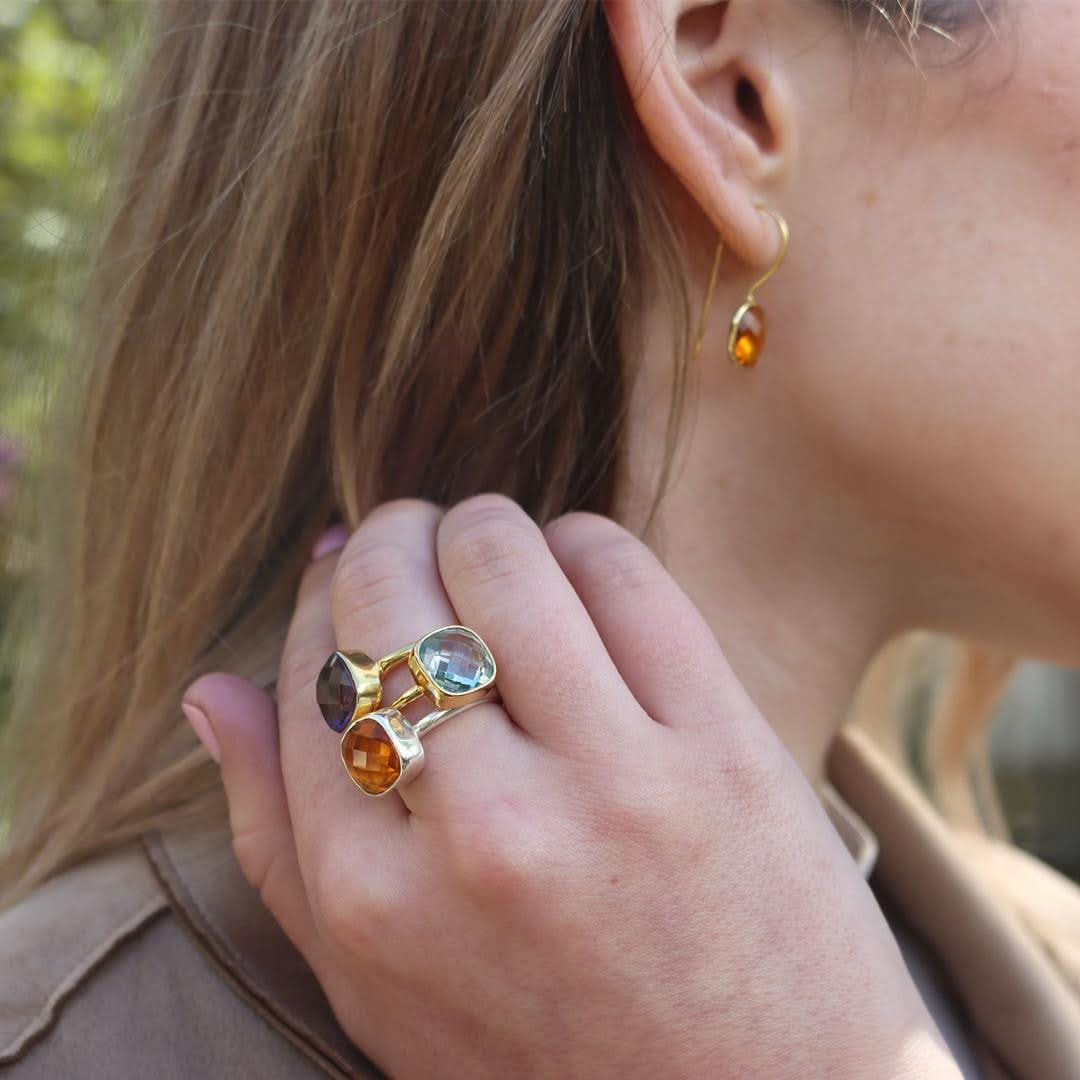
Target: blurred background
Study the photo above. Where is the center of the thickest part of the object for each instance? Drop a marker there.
(63, 66)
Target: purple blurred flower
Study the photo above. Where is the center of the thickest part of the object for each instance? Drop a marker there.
(10, 456)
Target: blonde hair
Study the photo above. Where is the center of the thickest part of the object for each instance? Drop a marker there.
(343, 242)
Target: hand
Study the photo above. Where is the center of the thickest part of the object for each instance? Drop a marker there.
(617, 872)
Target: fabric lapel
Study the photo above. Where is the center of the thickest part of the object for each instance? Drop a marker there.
(1017, 999)
(229, 922)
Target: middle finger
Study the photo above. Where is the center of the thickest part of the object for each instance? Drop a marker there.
(388, 593)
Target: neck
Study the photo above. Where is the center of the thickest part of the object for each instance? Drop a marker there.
(784, 573)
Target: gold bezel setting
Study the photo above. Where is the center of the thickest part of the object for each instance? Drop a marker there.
(442, 697)
(364, 675)
(401, 736)
(737, 329)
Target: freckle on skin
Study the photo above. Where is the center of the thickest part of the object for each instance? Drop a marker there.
(870, 198)
(615, 880)
(1057, 538)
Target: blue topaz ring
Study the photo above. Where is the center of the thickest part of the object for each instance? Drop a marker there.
(380, 748)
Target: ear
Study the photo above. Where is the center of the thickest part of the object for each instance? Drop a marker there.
(704, 80)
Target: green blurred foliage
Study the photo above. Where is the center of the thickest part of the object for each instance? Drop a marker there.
(63, 65)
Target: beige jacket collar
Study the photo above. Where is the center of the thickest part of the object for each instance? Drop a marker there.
(229, 922)
(1018, 1002)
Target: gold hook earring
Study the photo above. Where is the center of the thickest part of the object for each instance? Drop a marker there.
(746, 336)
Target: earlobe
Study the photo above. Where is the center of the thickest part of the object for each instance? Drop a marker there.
(703, 80)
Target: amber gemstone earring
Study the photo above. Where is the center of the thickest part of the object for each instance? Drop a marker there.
(746, 336)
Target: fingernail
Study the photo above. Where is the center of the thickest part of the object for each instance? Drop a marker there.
(332, 540)
(201, 723)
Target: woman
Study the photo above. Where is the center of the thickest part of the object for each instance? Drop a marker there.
(378, 263)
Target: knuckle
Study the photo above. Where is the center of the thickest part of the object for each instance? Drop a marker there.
(639, 807)
(490, 855)
(483, 506)
(621, 565)
(486, 539)
(751, 773)
(356, 912)
(580, 526)
(406, 506)
(345, 925)
(375, 573)
(600, 553)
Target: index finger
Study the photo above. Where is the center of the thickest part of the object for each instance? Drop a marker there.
(321, 797)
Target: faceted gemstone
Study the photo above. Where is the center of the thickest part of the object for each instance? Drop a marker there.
(456, 660)
(748, 340)
(370, 757)
(335, 692)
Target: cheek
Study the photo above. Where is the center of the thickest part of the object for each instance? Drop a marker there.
(932, 319)
(936, 350)
(1038, 90)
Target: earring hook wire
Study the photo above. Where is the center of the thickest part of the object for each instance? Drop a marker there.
(785, 238)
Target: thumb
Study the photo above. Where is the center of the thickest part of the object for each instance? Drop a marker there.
(237, 723)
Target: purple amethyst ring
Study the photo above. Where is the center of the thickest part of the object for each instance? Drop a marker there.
(380, 748)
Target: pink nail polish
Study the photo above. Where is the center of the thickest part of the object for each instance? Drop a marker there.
(332, 540)
(201, 724)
